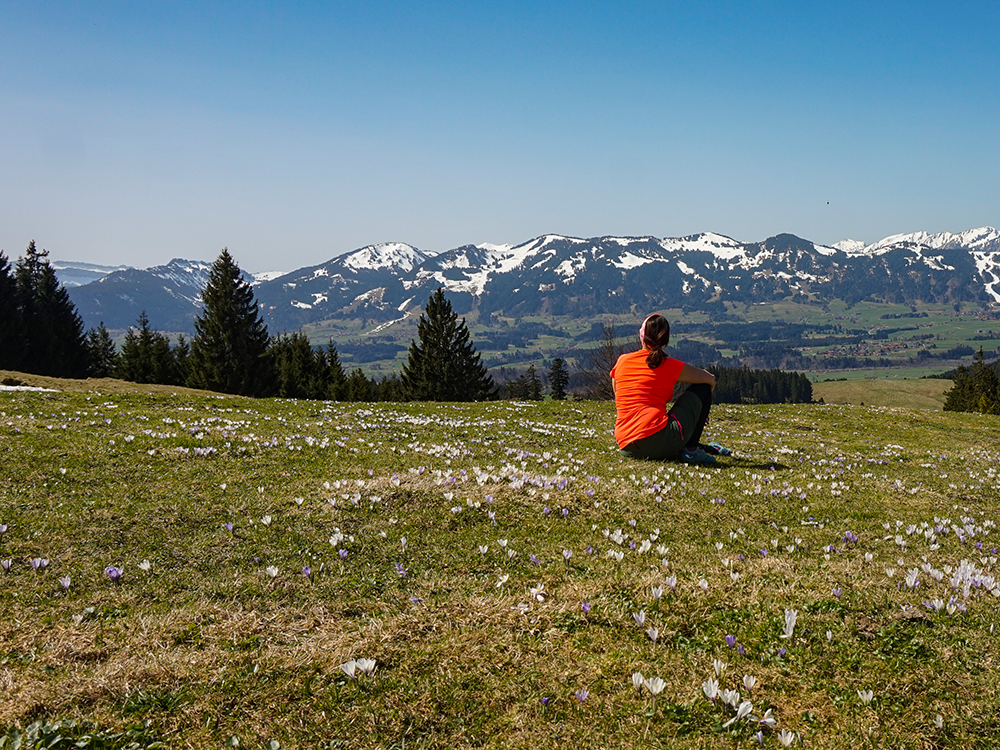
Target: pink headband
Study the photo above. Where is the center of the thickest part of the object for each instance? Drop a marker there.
(642, 330)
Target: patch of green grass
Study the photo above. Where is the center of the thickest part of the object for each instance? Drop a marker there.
(532, 553)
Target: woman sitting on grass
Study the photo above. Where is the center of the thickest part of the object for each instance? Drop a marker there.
(644, 383)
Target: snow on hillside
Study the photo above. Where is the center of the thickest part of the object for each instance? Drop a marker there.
(259, 278)
(387, 255)
(719, 245)
(851, 247)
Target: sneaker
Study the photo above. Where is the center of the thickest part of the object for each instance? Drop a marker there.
(696, 456)
(714, 449)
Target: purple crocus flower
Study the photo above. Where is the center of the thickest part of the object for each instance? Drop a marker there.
(585, 606)
(307, 572)
(65, 582)
(343, 554)
(545, 700)
(565, 512)
(837, 591)
(730, 640)
(763, 553)
(39, 563)
(229, 526)
(582, 694)
(400, 570)
(114, 573)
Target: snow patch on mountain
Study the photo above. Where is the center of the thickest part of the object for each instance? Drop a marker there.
(988, 265)
(387, 255)
(719, 245)
(260, 278)
(628, 261)
(850, 247)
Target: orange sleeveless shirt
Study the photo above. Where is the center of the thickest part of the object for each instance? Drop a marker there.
(642, 395)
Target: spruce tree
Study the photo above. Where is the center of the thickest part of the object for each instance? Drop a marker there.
(534, 383)
(55, 343)
(358, 387)
(300, 370)
(181, 352)
(146, 356)
(558, 378)
(101, 351)
(444, 365)
(336, 387)
(229, 350)
(11, 326)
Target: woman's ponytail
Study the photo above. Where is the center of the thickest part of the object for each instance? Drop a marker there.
(654, 335)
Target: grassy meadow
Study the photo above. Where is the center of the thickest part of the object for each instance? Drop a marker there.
(912, 393)
(197, 571)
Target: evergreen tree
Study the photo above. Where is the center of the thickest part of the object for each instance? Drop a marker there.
(336, 380)
(55, 343)
(358, 387)
(11, 326)
(558, 378)
(985, 385)
(445, 365)
(300, 371)
(229, 350)
(146, 356)
(959, 397)
(103, 355)
(976, 389)
(533, 383)
(181, 353)
(390, 388)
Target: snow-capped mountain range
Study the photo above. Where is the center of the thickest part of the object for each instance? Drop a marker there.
(558, 275)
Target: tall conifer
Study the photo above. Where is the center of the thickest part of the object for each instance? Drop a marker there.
(102, 353)
(558, 378)
(229, 350)
(11, 327)
(55, 343)
(444, 365)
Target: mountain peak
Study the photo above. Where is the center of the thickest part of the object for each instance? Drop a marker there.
(385, 255)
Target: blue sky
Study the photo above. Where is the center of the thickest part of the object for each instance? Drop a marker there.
(291, 133)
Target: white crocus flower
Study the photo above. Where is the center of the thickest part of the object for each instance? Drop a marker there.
(710, 688)
(638, 681)
(720, 667)
(741, 713)
(655, 685)
(791, 616)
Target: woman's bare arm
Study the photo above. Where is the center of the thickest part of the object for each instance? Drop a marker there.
(691, 374)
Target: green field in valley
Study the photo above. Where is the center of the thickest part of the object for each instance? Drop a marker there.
(203, 571)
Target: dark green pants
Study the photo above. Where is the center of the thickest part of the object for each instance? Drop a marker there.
(685, 422)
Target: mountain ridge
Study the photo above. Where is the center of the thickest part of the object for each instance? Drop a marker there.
(556, 274)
